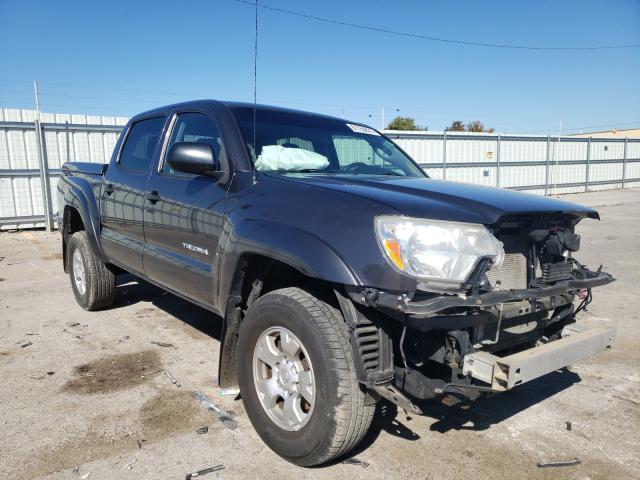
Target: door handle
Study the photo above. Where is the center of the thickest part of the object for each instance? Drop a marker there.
(108, 189)
(152, 196)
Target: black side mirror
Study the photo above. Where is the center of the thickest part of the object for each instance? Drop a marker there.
(195, 158)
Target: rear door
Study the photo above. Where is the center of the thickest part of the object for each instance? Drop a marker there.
(123, 190)
(184, 214)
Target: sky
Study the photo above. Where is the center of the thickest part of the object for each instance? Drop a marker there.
(123, 57)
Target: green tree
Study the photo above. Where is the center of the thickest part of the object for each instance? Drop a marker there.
(404, 123)
(475, 126)
(456, 126)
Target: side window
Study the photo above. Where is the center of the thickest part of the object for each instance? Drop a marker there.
(194, 127)
(140, 144)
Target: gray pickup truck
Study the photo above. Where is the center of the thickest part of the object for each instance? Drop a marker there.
(343, 273)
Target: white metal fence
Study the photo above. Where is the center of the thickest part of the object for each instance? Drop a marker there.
(32, 152)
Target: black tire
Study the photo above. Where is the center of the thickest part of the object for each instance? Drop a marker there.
(100, 281)
(340, 418)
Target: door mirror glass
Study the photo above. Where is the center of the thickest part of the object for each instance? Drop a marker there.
(193, 157)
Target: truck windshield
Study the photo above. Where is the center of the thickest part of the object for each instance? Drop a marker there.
(296, 142)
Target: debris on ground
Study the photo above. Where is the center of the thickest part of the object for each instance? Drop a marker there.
(356, 461)
(130, 465)
(86, 475)
(202, 430)
(32, 334)
(172, 378)
(228, 391)
(25, 345)
(569, 425)
(151, 373)
(223, 416)
(126, 337)
(565, 463)
(74, 324)
(204, 471)
(51, 372)
(162, 344)
(140, 442)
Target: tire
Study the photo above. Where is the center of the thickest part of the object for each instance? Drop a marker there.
(99, 282)
(338, 418)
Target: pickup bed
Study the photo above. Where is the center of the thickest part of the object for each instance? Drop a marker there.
(343, 273)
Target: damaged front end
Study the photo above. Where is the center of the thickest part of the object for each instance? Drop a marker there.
(509, 322)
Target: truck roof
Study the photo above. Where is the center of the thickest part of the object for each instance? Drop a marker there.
(207, 103)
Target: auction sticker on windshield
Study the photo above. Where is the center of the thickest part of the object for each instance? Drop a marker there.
(362, 129)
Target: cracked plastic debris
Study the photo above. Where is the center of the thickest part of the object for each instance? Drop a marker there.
(228, 391)
(565, 463)
(172, 379)
(222, 415)
(204, 471)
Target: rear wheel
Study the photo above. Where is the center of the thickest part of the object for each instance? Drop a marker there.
(297, 378)
(93, 283)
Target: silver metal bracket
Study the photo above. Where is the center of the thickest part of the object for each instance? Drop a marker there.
(391, 393)
(504, 373)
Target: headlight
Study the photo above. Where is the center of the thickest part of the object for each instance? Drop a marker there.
(439, 253)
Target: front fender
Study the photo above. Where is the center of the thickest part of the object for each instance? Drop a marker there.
(304, 251)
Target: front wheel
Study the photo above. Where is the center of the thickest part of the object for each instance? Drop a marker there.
(298, 380)
(93, 283)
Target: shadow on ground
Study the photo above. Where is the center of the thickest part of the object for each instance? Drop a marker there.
(492, 409)
(131, 290)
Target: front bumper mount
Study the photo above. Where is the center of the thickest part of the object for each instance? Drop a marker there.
(504, 373)
(428, 307)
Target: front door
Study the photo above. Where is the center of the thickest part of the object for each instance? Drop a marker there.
(122, 197)
(184, 215)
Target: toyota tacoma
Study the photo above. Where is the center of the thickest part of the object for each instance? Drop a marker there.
(344, 275)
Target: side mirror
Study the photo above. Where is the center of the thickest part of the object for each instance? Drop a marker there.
(195, 158)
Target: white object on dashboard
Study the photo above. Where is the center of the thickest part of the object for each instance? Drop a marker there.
(277, 157)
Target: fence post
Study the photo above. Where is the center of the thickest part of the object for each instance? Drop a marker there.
(444, 155)
(588, 167)
(624, 161)
(498, 163)
(546, 168)
(44, 176)
(67, 137)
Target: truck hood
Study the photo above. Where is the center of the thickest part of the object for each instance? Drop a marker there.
(442, 200)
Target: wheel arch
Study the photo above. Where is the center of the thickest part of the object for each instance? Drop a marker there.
(81, 213)
(256, 275)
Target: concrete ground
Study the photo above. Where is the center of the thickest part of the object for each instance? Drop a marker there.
(85, 395)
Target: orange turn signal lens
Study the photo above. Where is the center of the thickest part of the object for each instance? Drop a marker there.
(392, 247)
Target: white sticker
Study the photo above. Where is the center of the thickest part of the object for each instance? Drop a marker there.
(362, 129)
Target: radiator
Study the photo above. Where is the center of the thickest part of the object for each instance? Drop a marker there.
(512, 274)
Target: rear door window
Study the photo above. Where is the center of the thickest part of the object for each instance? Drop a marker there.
(140, 145)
